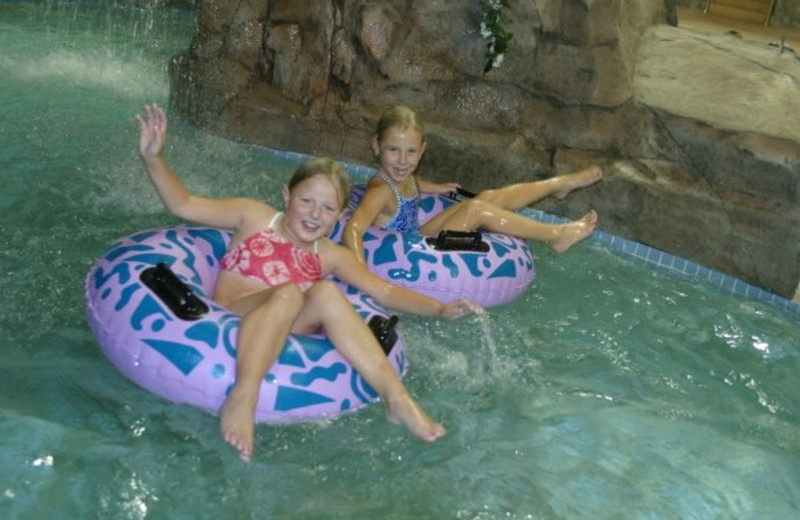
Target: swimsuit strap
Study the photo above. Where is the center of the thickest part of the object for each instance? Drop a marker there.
(396, 189)
(274, 219)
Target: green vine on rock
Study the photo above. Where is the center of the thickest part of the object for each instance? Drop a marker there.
(493, 28)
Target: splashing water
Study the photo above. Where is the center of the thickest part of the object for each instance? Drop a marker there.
(493, 367)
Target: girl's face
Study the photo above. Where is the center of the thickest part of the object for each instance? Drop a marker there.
(399, 152)
(312, 208)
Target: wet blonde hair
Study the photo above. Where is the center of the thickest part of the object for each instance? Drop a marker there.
(400, 117)
(328, 168)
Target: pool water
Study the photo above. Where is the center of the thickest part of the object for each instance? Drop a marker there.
(609, 390)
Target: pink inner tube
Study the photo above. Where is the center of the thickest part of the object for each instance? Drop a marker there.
(496, 275)
(134, 310)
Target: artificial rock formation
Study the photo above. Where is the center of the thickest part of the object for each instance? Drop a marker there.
(700, 157)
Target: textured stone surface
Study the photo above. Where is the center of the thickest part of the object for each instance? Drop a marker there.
(702, 158)
(690, 74)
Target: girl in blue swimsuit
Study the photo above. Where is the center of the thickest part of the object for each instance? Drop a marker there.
(392, 195)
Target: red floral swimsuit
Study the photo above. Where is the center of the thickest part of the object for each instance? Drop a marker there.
(268, 258)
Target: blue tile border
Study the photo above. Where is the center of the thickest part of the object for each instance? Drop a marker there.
(680, 266)
(634, 250)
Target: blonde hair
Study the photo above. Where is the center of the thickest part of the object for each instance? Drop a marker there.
(401, 117)
(328, 168)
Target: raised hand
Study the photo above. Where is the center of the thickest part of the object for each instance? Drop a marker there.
(152, 131)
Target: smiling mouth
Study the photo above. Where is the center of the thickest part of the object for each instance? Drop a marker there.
(311, 226)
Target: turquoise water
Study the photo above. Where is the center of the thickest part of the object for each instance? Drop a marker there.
(607, 391)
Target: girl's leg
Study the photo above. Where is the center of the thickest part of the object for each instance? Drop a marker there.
(515, 196)
(268, 318)
(475, 213)
(325, 305)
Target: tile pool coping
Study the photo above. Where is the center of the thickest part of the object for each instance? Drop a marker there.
(636, 251)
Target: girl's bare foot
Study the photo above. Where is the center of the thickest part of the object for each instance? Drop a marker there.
(404, 410)
(580, 179)
(572, 233)
(237, 420)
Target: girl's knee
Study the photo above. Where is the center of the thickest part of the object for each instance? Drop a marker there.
(474, 207)
(324, 290)
(486, 196)
(288, 297)
(290, 293)
(467, 216)
(328, 300)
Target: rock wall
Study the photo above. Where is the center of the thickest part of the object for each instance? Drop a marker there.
(710, 174)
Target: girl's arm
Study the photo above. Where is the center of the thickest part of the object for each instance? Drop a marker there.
(372, 204)
(339, 261)
(438, 188)
(224, 213)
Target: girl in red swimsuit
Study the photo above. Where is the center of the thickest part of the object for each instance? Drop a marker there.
(272, 276)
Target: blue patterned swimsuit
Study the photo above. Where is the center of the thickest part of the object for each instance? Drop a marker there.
(405, 220)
